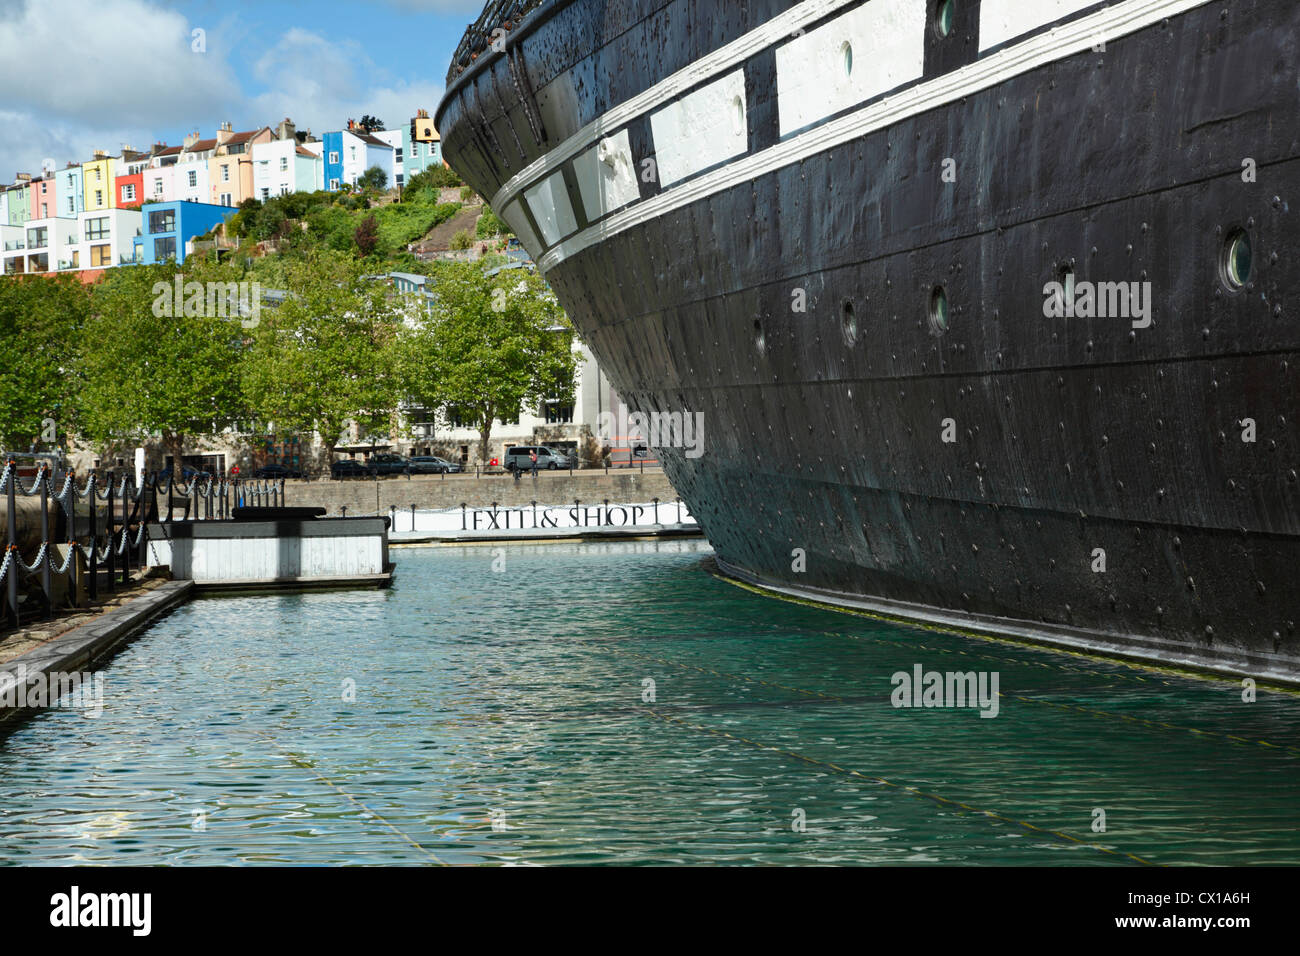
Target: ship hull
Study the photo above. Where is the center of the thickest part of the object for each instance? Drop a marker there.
(1124, 484)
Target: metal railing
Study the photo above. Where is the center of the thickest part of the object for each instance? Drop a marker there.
(497, 15)
(108, 533)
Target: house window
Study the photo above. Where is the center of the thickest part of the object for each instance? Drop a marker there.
(266, 193)
(400, 178)
(284, 163)
(164, 249)
(157, 187)
(99, 175)
(38, 238)
(99, 197)
(162, 221)
(45, 210)
(100, 256)
(97, 228)
(225, 174)
(194, 179)
(76, 258)
(334, 185)
(334, 157)
(225, 199)
(399, 154)
(72, 205)
(128, 192)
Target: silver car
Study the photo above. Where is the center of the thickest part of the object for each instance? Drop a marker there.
(548, 459)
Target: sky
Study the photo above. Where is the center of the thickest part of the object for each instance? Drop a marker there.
(81, 75)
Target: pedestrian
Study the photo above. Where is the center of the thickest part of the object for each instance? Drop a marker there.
(532, 455)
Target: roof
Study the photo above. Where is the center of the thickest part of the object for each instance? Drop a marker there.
(244, 137)
(305, 152)
(169, 151)
(367, 138)
(202, 144)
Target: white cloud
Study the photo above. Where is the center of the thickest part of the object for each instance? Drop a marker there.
(82, 75)
(85, 74)
(321, 84)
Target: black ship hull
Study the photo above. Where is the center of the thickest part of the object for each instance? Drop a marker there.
(850, 279)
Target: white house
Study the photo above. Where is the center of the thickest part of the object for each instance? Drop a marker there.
(285, 166)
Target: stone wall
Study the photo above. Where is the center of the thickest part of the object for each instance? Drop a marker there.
(433, 492)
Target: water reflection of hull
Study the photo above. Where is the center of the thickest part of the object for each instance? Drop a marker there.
(819, 170)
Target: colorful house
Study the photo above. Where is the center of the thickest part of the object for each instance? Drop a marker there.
(20, 201)
(71, 190)
(167, 227)
(97, 179)
(350, 152)
(230, 170)
(285, 166)
(42, 195)
(130, 190)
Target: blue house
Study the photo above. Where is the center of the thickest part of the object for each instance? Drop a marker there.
(169, 225)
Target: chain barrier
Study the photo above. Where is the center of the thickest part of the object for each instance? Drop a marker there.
(108, 535)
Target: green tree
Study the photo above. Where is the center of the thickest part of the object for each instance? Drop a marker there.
(461, 240)
(430, 180)
(371, 123)
(489, 224)
(150, 364)
(41, 321)
(373, 178)
(491, 346)
(326, 356)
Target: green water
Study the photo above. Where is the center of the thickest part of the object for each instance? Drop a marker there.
(499, 717)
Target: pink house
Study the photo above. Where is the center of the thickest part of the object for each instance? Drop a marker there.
(43, 204)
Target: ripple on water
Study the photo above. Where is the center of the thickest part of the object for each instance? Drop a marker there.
(469, 716)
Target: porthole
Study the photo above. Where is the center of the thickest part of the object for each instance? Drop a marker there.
(846, 51)
(1065, 298)
(760, 341)
(939, 311)
(738, 107)
(1238, 259)
(943, 16)
(849, 321)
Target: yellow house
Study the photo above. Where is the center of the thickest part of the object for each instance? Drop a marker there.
(97, 181)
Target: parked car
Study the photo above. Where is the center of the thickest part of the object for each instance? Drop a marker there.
(433, 465)
(388, 464)
(349, 468)
(520, 456)
(275, 472)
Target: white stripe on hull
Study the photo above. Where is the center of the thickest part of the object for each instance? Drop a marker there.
(854, 58)
(734, 53)
(1106, 25)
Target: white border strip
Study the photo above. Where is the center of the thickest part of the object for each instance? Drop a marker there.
(757, 40)
(1107, 24)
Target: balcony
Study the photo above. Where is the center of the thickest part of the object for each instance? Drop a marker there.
(127, 260)
(13, 244)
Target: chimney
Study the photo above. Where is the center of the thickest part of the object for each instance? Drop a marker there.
(190, 139)
(286, 130)
(101, 154)
(223, 133)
